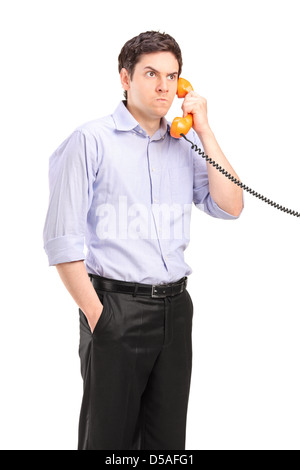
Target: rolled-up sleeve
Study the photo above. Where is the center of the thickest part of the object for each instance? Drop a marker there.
(72, 172)
(201, 195)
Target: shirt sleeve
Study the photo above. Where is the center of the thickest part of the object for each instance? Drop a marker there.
(72, 172)
(201, 195)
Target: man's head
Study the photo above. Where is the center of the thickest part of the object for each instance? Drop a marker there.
(149, 66)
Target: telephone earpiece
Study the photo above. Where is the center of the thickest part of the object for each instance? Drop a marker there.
(182, 125)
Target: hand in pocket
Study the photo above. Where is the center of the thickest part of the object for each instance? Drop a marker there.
(93, 320)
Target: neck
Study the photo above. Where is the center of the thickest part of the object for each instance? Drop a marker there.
(148, 124)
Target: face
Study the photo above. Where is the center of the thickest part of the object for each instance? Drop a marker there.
(152, 88)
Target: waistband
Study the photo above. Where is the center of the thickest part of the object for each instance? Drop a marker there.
(155, 291)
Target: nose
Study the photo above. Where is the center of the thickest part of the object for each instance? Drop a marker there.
(162, 86)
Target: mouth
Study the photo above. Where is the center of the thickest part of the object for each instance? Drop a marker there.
(162, 100)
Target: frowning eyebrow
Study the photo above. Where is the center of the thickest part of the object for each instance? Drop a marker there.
(148, 67)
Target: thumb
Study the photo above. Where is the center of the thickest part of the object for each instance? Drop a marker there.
(184, 112)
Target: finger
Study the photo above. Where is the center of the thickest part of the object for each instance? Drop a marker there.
(187, 108)
(185, 113)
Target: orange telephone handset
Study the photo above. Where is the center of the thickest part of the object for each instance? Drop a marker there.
(182, 125)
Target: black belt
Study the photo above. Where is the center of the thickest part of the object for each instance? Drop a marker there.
(156, 291)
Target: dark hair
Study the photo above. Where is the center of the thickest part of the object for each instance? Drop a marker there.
(145, 43)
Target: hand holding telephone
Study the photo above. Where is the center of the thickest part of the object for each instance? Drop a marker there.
(182, 125)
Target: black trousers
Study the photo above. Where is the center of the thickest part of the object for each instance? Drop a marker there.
(136, 368)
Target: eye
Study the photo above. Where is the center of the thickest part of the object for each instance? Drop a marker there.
(172, 77)
(151, 73)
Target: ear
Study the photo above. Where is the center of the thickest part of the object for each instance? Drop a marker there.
(125, 79)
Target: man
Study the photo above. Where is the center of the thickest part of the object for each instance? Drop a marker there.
(124, 187)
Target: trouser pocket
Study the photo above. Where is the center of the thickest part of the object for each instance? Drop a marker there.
(103, 319)
(100, 333)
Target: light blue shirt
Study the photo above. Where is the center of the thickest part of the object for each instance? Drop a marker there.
(122, 201)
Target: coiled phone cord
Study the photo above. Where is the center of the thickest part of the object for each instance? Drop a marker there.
(238, 182)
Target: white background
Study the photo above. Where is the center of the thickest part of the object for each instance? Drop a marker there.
(59, 70)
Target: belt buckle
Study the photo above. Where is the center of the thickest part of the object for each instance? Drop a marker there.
(155, 294)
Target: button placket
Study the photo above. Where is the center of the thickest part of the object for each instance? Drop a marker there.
(155, 178)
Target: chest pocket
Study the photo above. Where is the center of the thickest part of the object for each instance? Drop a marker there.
(181, 183)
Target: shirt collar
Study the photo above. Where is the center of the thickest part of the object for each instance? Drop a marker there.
(124, 121)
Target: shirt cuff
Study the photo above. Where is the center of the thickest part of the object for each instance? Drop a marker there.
(65, 249)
